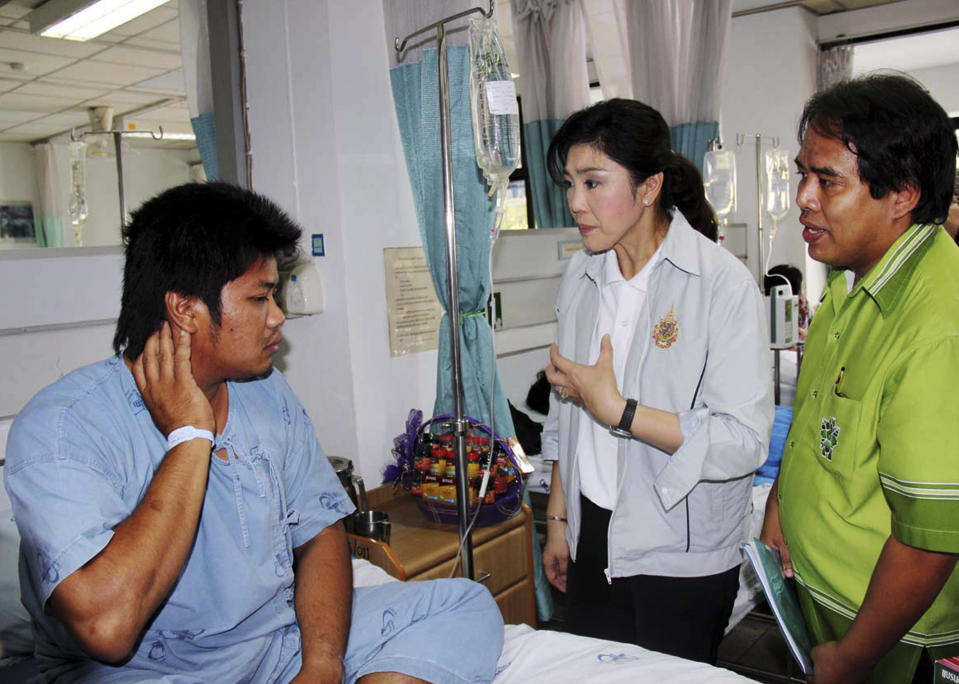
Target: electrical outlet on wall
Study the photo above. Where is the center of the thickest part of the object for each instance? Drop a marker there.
(494, 310)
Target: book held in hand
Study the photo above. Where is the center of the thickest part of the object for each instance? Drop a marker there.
(781, 597)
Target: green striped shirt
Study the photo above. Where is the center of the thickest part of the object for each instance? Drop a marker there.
(874, 444)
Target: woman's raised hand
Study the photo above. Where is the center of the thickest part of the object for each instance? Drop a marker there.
(594, 387)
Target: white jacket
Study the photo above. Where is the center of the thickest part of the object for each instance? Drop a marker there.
(682, 515)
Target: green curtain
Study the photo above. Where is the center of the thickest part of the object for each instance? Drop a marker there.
(692, 140)
(49, 231)
(550, 208)
(416, 96)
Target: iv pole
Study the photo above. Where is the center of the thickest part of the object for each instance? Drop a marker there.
(459, 424)
(741, 139)
(117, 139)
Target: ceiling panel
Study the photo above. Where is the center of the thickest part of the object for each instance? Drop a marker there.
(166, 116)
(92, 71)
(34, 103)
(151, 20)
(28, 131)
(6, 84)
(135, 65)
(168, 33)
(140, 41)
(125, 100)
(171, 82)
(20, 40)
(121, 54)
(35, 64)
(51, 87)
(64, 120)
(11, 117)
(11, 11)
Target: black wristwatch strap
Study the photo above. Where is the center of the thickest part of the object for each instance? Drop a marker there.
(626, 422)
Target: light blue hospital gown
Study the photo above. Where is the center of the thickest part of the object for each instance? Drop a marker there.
(80, 457)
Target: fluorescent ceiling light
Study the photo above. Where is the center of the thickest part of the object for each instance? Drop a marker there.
(83, 19)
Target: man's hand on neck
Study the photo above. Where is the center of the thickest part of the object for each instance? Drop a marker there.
(164, 376)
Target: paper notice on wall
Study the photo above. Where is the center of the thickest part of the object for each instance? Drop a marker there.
(412, 308)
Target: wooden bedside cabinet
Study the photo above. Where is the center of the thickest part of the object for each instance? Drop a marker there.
(420, 549)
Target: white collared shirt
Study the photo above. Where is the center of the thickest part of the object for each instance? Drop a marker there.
(621, 305)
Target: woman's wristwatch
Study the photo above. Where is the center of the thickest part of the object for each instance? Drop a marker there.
(626, 422)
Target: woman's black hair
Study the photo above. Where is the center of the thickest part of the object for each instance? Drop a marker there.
(635, 136)
(193, 239)
(899, 134)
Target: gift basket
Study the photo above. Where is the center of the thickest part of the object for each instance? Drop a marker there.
(426, 466)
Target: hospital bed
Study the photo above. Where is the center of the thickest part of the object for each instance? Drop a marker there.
(529, 656)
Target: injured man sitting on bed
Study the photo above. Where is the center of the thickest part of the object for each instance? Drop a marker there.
(179, 520)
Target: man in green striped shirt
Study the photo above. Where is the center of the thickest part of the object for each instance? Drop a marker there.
(866, 507)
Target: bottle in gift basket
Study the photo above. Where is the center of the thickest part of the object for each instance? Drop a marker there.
(448, 484)
(472, 463)
(416, 483)
(431, 480)
(423, 455)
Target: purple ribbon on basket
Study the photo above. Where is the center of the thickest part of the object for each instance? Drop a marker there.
(404, 447)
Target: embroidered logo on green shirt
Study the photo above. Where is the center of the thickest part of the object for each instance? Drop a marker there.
(828, 437)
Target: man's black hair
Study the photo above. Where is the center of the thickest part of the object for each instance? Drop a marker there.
(900, 135)
(193, 239)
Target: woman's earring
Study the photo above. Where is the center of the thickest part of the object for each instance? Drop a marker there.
(646, 202)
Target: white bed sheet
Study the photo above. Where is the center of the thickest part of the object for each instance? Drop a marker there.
(531, 656)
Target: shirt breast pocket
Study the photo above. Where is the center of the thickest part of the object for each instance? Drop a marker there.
(836, 438)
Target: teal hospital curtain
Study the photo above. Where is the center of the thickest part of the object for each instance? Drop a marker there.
(550, 208)
(677, 58)
(692, 140)
(416, 96)
(550, 37)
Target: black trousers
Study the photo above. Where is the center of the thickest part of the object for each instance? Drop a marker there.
(683, 616)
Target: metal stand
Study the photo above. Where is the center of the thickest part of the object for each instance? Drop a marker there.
(117, 139)
(460, 426)
(741, 140)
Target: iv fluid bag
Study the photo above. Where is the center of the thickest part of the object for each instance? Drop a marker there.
(493, 101)
(777, 182)
(78, 183)
(719, 180)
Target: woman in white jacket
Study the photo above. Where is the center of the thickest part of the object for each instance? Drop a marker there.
(662, 402)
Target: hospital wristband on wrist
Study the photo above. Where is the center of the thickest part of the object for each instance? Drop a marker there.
(185, 434)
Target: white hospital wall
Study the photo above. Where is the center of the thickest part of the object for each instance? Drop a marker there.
(146, 171)
(16, 174)
(326, 146)
(771, 72)
(943, 83)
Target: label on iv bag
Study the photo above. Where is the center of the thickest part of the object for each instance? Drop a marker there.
(501, 97)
